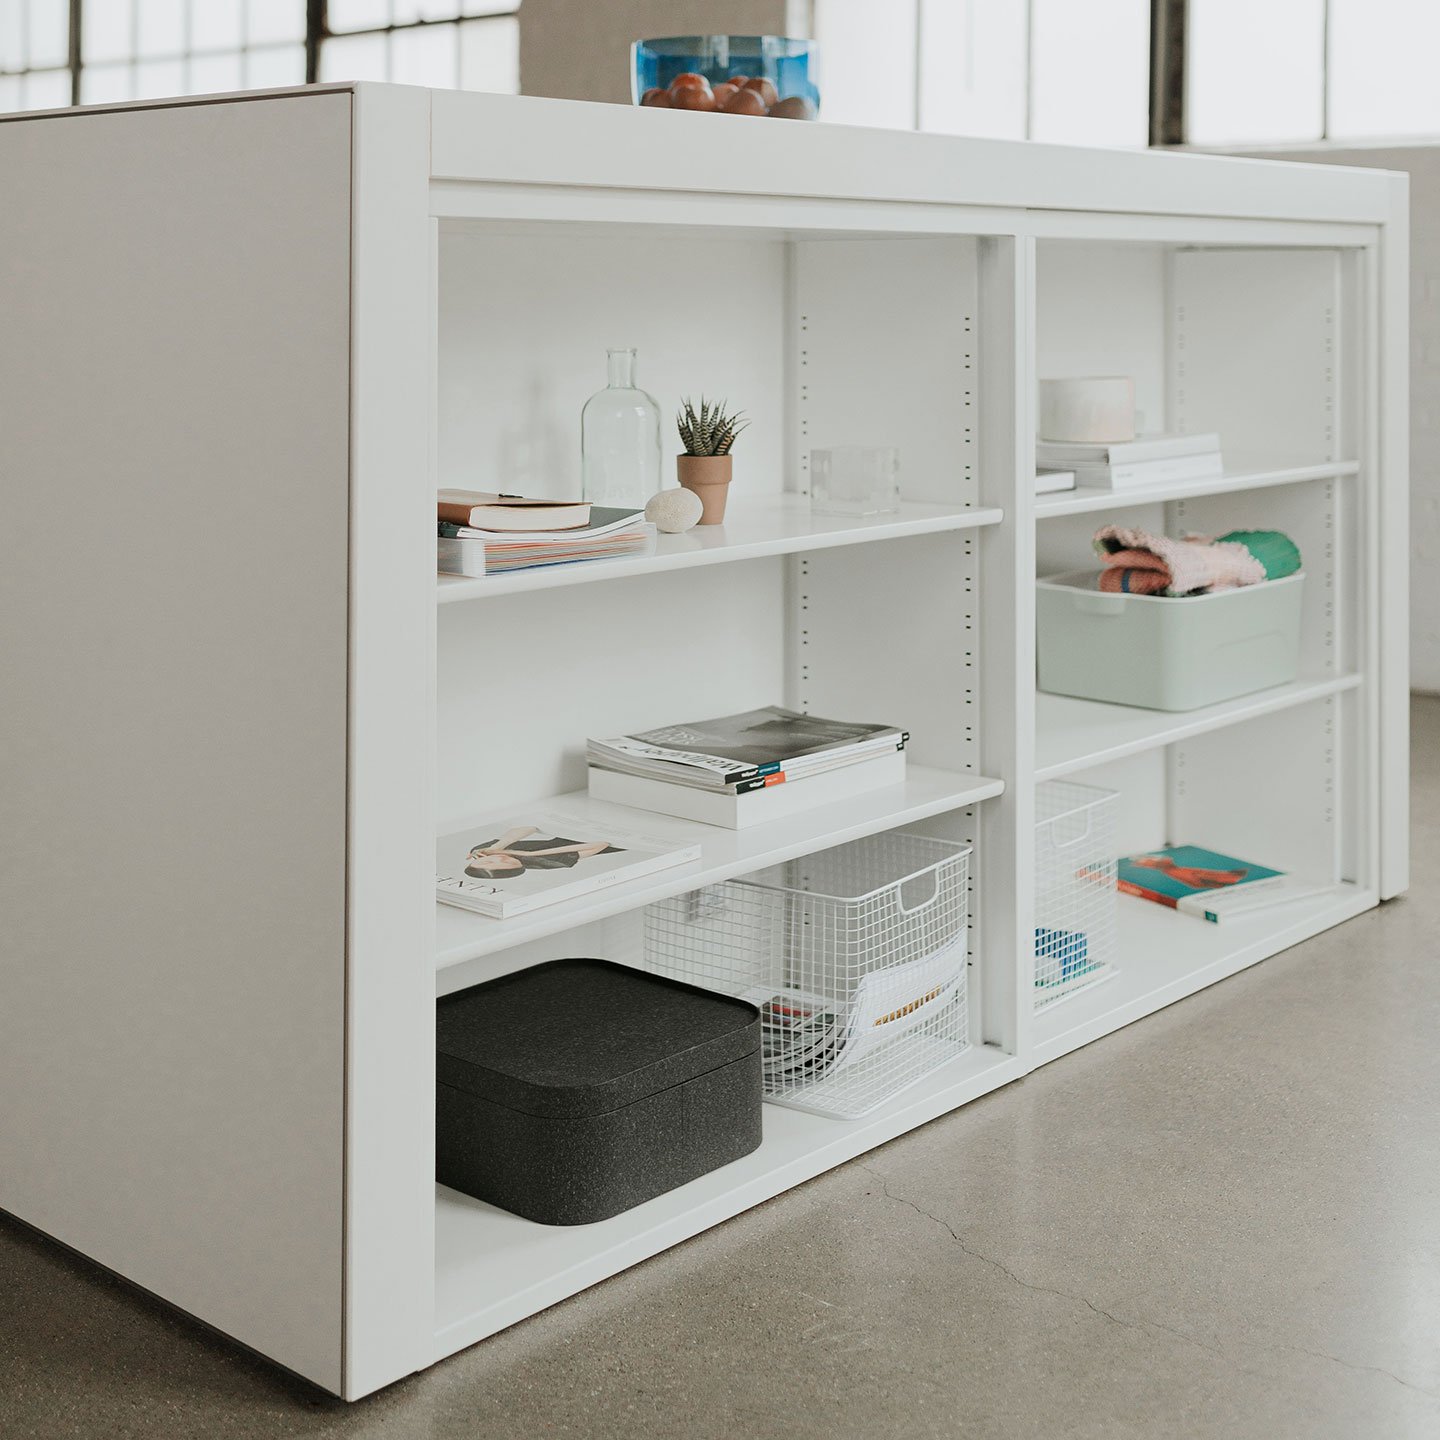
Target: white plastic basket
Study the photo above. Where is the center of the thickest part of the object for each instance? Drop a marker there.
(1074, 888)
(855, 955)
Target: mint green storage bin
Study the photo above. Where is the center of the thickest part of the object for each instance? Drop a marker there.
(1164, 653)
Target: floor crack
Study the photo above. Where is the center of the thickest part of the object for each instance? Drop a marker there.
(1355, 1365)
(1142, 1325)
(1000, 1265)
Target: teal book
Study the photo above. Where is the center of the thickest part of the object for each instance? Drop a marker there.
(1184, 872)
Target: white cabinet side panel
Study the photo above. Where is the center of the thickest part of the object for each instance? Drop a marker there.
(1100, 310)
(524, 679)
(1255, 351)
(173, 367)
(891, 633)
(1267, 791)
(883, 340)
(390, 1059)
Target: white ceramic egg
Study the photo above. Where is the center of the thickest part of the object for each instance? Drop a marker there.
(672, 511)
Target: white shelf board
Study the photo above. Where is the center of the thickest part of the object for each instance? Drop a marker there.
(1240, 474)
(1163, 956)
(753, 528)
(493, 1268)
(461, 935)
(1075, 734)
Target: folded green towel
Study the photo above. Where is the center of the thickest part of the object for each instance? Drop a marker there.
(1278, 554)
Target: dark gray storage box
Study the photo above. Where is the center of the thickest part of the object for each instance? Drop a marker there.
(571, 1091)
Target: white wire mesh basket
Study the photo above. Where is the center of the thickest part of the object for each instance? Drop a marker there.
(1074, 888)
(856, 957)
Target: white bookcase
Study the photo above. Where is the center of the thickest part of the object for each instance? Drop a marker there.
(252, 336)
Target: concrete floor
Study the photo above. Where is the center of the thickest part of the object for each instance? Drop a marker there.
(1223, 1222)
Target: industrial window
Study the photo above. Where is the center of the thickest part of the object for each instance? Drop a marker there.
(1116, 72)
(1096, 72)
(1305, 70)
(34, 54)
(62, 52)
(1059, 70)
(473, 45)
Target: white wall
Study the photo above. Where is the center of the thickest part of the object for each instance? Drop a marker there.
(1422, 162)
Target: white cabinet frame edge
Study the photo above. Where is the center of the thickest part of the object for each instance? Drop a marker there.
(1386, 399)
(390, 1056)
(634, 149)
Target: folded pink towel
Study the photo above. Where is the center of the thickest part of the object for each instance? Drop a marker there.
(1139, 563)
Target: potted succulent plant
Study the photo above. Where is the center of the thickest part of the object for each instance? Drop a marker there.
(704, 467)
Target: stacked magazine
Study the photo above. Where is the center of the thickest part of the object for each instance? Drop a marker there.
(806, 1037)
(737, 770)
(801, 1038)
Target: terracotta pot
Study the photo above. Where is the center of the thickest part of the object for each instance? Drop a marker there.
(708, 476)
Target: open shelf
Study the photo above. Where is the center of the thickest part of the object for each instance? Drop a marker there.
(461, 935)
(493, 1268)
(782, 525)
(1163, 956)
(1075, 734)
(1240, 474)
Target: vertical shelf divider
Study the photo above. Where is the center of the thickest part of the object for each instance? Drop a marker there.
(1005, 387)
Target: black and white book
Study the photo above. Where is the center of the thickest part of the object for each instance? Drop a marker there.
(731, 750)
(509, 866)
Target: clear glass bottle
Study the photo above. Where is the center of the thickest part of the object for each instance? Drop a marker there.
(620, 439)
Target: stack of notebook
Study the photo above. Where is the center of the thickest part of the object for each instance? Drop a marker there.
(741, 770)
(1146, 460)
(481, 534)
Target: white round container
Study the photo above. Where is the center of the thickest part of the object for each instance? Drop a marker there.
(1093, 409)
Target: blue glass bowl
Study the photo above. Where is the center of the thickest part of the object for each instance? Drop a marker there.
(786, 64)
